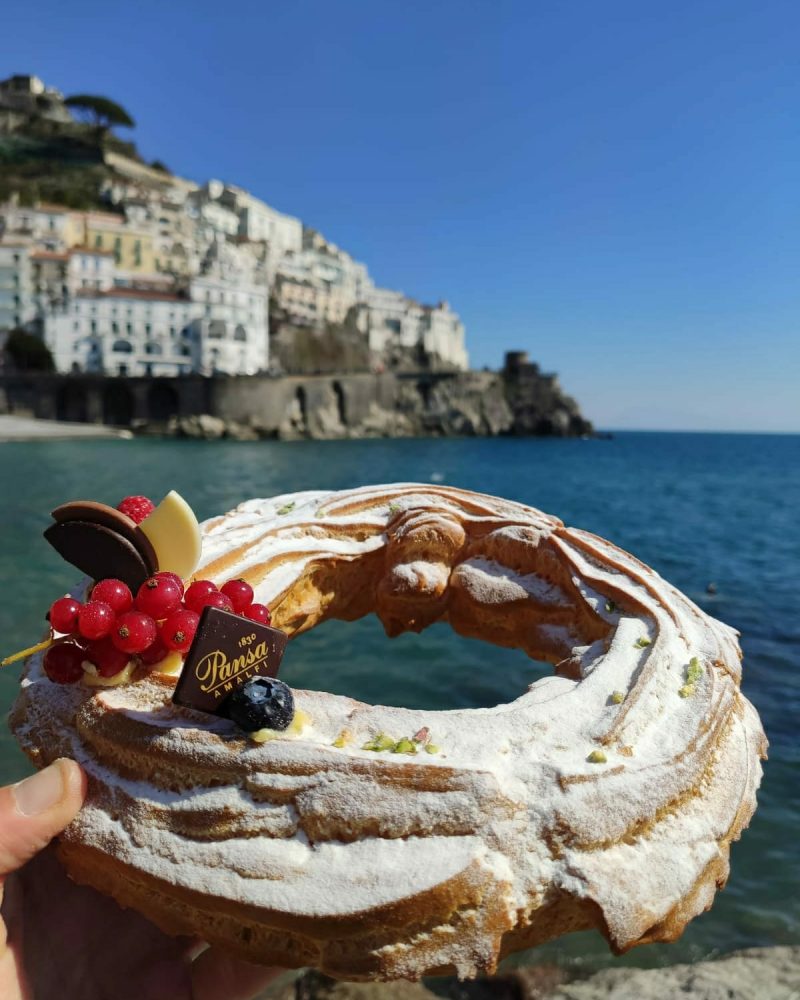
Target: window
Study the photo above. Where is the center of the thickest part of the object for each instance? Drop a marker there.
(115, 327)
(98, 240)
(148, 329)
(123, 347)
(129, 329)
(93, 326)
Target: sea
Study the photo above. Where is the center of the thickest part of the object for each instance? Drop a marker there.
(716, 514)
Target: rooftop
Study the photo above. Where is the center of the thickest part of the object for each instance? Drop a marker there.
(147, 294)
(49, 255)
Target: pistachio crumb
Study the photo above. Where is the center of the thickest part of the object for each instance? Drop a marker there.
(378, 743)
(431, 748)
(642, 642)
(693, 671)
(596, 757)
(617, 697)
(693, 674)
(394, 508)
(342, 739)
(405, 745)
(287, 507)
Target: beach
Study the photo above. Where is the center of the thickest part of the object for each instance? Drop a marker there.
(13, 428)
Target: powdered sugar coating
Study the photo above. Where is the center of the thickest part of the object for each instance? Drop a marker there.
(309, 827)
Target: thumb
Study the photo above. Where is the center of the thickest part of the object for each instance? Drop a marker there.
(33, 811)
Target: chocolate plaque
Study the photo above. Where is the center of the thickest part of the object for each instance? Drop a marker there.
(227, 651)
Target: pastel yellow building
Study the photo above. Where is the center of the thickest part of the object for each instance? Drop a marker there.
(132, 248)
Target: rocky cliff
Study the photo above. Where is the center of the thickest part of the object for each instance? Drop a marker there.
(356, 405)
(460, 404)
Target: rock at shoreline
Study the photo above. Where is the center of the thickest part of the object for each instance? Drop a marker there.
(754, 974)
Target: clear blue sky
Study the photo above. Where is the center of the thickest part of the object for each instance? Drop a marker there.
(612, 186)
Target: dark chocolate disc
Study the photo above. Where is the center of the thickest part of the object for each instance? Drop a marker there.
(93, 512)
(98, 551)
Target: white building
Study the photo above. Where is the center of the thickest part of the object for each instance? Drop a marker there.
(121, 331)
(259, 222)
(230, 314)
(219, 326)
(393, 320)
(320, 283)
(88, 268)
(17, 299)
(50, 226)
(442, 335)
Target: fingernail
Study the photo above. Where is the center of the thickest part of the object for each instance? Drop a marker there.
(40, 792)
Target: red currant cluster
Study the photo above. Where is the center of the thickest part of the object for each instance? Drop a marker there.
(112, 626)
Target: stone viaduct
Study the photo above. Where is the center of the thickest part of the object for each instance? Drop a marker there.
(152, 400)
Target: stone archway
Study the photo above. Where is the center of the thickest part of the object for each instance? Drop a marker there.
(341, 403)
(72, 402)
(163, 401)
(302, 404)
(117, 404)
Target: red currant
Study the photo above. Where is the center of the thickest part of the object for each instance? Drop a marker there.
(197, 593)
(171, 576)
(154, 653)
(218, 600)
(115, 593)
(95, 619)
(257, 613)
(158, 597)
(177, 632)
(134, 631)
(62, 662)
(106, 657)
(63, 615)
(137, 508)
(240, 593)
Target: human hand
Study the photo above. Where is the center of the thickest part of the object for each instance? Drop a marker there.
(66, 940)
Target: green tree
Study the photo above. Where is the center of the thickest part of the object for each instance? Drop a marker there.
(99, 111)
(28, 353)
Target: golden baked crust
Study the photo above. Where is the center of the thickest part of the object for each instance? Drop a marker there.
(605, 796)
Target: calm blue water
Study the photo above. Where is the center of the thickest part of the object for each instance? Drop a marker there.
(697, 507)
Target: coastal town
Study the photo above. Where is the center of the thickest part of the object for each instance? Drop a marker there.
(135, 298)
(172, 277)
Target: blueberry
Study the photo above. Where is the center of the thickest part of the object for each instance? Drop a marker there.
(261, 703)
